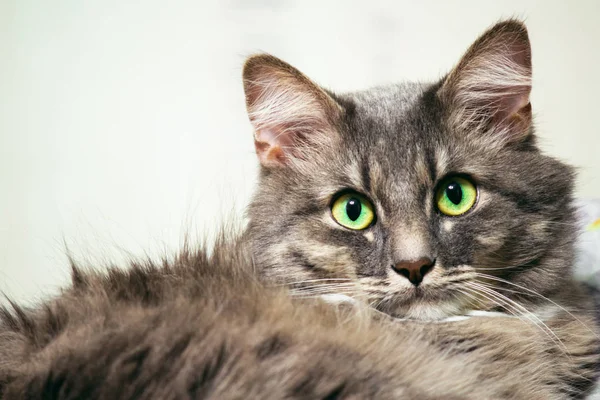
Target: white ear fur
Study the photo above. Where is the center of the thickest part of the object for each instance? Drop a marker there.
(287, 110)
(489, 88)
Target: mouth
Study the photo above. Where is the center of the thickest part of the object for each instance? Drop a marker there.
(419, 293)
(420, 311)
(429, 301)
(421, 303)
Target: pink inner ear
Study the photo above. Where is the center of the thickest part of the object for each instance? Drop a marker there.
(271, 146)
(518, 120)
(519, 55)
(512, 104)
(517, 102)
(287, 110)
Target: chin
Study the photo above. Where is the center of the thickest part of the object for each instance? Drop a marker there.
(432, 312)
(422, 309)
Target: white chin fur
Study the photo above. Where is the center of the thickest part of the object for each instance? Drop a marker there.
(455, 318)
(338, 298)
(433, 314)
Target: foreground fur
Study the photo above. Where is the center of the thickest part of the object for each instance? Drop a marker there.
(207, 328)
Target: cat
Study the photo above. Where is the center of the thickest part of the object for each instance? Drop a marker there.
(381, 218)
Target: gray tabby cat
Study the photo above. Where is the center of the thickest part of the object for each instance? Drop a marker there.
(412, 204)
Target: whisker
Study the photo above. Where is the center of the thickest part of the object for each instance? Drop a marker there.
(326, 285)
(376, 303)
(526, 313)
(472, 297)
(509, 308)
(314, 280)
(499, 287)
(495, 268)
(533, 292)
(323, 290)
(371, 290)
(564, 348)
(318, 293)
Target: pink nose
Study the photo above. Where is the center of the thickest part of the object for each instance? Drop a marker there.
(414, 271)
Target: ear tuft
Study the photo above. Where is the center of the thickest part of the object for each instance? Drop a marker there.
(287, 110)
(489, 88)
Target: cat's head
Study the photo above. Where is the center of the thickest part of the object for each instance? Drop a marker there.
(420, 199)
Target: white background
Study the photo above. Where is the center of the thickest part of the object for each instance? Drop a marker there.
(122, 123)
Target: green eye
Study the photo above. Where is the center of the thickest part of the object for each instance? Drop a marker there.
(456, 196)
(353, 211)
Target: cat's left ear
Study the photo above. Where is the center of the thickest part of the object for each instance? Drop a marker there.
(291, 114)
(488, 91)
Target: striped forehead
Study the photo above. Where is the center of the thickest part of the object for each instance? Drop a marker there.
(404, 186)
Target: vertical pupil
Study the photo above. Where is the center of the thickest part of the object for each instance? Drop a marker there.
(454, 192)
(353, 209)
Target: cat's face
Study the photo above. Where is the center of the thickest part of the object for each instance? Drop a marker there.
(403, 196)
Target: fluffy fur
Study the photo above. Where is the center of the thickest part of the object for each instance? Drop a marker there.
(250, 321)
(206, 328)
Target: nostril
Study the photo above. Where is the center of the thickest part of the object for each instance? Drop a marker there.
(414, 271)
(425, 269)
(402, 271)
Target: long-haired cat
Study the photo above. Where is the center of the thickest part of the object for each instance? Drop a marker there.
(412, 204)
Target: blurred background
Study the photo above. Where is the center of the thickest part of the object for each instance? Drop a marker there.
(123, 126)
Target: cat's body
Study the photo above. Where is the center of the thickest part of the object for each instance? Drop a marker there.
(447, 206)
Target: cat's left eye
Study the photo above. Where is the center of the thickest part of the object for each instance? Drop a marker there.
(353, 211)
(456, 195)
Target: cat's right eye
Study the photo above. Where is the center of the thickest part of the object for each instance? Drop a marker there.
(353, 211)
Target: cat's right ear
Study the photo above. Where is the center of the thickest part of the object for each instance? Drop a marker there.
(289, 112)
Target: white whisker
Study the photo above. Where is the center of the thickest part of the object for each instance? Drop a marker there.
(507, 302)
(315, 280)
(532, 292)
